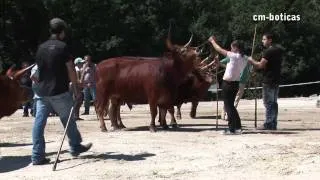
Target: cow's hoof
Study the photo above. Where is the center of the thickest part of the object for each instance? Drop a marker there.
(153, 129)
(192, 116)
(113, 128)
(104, 129)
(174, 126)
(121, 126)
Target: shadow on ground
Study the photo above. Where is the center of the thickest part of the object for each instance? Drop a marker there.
(106, 156)
(268, 132)
(12, 163)
(181, 128)
(207, 117)
(115, 156)
(14, 144)
(4, 145)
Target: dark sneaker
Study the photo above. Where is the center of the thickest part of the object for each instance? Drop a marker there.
(85, 113)
(42, 162)
(263, 127)
(81, 149)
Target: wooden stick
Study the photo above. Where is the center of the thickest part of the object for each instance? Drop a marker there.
(254, 80)
(217, 99)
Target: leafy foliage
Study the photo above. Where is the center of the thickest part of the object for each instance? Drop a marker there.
(106, 28)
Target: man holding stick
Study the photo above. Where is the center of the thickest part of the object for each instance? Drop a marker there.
(270, 64)
(55, 67)
(230, 84)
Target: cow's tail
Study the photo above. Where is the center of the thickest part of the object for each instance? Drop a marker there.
(129, 106)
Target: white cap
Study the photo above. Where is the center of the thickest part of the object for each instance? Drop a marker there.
(79, 60)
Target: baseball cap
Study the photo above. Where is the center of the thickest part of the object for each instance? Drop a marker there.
(79, 60)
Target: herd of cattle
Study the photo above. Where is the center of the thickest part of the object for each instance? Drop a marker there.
(162, 82)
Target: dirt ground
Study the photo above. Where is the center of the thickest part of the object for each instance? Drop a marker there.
(196, 150)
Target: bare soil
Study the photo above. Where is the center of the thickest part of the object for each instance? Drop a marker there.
(196, 150)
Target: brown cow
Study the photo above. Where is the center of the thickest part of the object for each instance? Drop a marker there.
(153, 81)
(12, 94)
(192, 90)
(197, 90)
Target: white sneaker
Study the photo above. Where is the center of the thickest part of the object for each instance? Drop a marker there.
(227, 132)
(238, 131)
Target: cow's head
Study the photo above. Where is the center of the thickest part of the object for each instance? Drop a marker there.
(206, 71)
(185, 56)
(13, 95)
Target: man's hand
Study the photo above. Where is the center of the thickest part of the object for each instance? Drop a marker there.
(215, 45)
(251, 60)
(259, 65)
(212, 39)
(77, 92)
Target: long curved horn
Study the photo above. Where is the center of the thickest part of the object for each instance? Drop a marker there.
(189, 42)
(204, 60)
(9, 72)
(18, 74)
(168, 40)
(207, 66)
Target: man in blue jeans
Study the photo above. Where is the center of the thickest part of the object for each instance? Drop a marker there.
(270, 63)
(88, 81)
(55, 66)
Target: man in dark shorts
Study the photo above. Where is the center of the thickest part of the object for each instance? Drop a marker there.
(55, 68)
(270, 64)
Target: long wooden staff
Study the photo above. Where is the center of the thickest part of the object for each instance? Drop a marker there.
(217, 96)
(254, 80)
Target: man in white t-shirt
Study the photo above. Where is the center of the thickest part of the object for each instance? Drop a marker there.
(78, 62)
(231, 78)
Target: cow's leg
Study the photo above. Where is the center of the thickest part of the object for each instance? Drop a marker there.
(173, 122)
(162, 118)
(153, 110)
(119, 121)
(106, 112)
(101, 109)
(179, 111)
(194, 106)
(101, 103)
(113, 114)
(100, 116)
